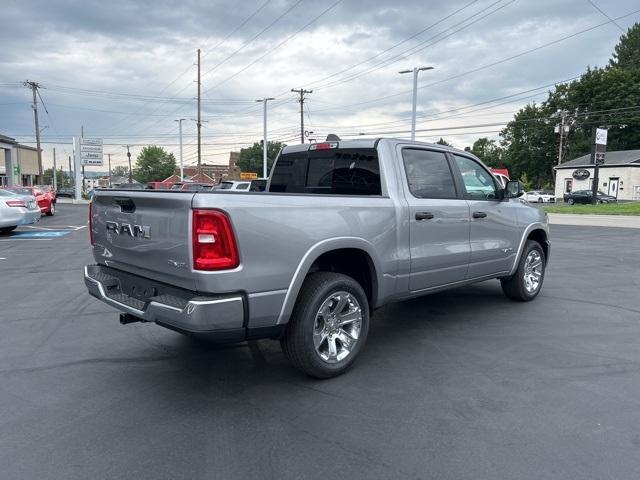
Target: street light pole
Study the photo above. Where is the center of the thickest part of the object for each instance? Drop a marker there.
(415, 96)
(180, 120)
(130, 173)
(264, 135)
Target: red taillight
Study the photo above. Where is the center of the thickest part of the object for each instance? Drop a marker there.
(323, 146)
(16, 203)
(91, 223)
(214, 245)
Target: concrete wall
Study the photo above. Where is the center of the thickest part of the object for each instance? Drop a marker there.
(629, 183)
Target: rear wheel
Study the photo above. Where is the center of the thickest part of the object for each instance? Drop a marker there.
(571, 201)
(8, 229)
(52, 210)
(329, 325)
(525, 284)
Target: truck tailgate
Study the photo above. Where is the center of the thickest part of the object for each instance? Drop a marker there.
(145, 233)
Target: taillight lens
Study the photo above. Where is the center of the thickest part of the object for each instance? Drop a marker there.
(91, 222)
(16, 203)
(214, 244)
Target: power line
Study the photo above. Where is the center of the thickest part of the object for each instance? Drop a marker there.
(269, 51)
(607, 16)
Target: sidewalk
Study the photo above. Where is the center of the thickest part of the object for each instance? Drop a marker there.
(620, 221)
(71, 200)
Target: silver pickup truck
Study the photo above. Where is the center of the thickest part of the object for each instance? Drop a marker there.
(341, 229)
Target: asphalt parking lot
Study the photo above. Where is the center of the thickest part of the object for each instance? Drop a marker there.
(461, 385)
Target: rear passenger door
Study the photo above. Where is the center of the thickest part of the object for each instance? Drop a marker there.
(494, 230)
(438, 221)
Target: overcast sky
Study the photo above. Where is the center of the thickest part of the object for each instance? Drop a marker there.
(124, 69)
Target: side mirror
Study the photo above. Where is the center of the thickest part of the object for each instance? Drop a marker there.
(514, 189)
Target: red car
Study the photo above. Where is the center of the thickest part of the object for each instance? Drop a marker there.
(48, 190)
(45, 201)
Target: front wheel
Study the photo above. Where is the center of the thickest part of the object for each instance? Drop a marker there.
(525, 284)
(52, 210)
(329, 325)
(571, 201)
(8, 229)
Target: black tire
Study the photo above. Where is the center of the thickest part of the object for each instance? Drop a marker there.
(52, 210)
(8, 229)
(571, 201)
(540, 200)
(298, 339)
(514, 286)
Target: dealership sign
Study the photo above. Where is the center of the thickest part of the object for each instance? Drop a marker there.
(90, 151)
(581, 174)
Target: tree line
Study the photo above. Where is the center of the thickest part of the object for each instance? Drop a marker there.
(607, 97)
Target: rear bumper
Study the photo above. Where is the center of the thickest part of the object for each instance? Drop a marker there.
(181, 310)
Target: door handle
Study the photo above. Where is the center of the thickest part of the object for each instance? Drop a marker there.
(479, 215)
(424, 215)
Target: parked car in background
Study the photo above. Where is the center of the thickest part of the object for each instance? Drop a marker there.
(16, 210)
(538, 196)
(48, 190)
(66, 192)
(44, 201)
(159, 185)
(586, 196)
(258, 185)
(196, 186)
(192, 186)
(233, 185)
(129, 186)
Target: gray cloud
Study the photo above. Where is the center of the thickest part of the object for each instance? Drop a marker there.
(140, 47)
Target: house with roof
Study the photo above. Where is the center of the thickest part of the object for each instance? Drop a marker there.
(619, 175)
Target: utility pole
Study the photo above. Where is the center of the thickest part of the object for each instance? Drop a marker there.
(129, 157)
(301, 92)
(109, 156)
(561, 131)
(264, 136)
(415, 72)
(180, 120)
(199, 124)
(34, 89)
(55, 171)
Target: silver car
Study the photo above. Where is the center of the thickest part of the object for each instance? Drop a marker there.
(16, 210)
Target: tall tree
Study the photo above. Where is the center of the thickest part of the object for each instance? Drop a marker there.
(251, 157)
(601, 97)
(488, 151)
(626, 54)
(154, 164)
(442, 141)
(120, 171)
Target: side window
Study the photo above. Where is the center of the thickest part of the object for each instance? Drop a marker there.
(478, 183)
(428, 174)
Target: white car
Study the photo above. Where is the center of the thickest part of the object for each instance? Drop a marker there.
(538, 196)
(16, 210)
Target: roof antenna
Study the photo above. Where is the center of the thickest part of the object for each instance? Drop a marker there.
(332, 137)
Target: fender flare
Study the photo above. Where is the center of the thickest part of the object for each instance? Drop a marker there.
(318, 249)
(530, 228)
